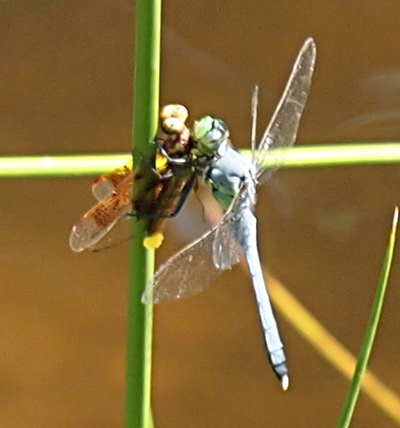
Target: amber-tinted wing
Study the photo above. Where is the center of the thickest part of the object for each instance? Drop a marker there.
(102, 217)
(106, 184)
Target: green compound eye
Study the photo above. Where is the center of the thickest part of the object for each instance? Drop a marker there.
(210, 133)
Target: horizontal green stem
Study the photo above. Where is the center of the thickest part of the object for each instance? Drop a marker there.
(336, 155)
(296, 157)
(60, 165)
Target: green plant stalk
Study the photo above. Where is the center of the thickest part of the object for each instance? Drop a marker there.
(295, 157)
(351, 399)
(140, 317)
(60, 165)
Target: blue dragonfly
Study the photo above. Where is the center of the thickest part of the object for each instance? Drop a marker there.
(234, 179)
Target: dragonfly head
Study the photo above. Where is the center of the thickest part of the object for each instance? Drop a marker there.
(174, 110)
(210, 133)
(173, 118)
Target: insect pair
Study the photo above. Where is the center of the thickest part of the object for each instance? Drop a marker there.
(168, 178)
(207, 151)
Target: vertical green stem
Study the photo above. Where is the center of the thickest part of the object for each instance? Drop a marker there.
(146, 105)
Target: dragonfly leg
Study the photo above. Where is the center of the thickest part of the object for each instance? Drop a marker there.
(162, 175)
(171, 160)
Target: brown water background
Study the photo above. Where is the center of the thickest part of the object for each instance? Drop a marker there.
(66, 87)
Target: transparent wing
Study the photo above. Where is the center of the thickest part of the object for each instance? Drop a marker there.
(226, 252)
(102, 217)
(283, 127)
(226, 247)
(196, 266)
(119, 233)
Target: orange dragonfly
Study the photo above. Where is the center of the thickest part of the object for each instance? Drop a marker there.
(164, 194)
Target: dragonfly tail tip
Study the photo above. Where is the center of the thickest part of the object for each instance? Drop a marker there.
(285, 382)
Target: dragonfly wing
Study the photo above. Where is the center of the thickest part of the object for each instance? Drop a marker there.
(225, 249)
(97, 222)
(198, 264)
(283, 127)
(195, 267)
(120, 233)
(106, 184)
(101, 218)
(185, 274)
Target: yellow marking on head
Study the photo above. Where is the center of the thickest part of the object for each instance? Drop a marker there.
(153, 241)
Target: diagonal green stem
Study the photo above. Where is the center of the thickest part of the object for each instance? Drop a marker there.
(366, 348)
(296, 157)
(140, 317)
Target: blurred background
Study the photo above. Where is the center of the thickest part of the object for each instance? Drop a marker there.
(66, 87)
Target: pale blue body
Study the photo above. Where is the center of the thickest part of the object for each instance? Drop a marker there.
(226, 176)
